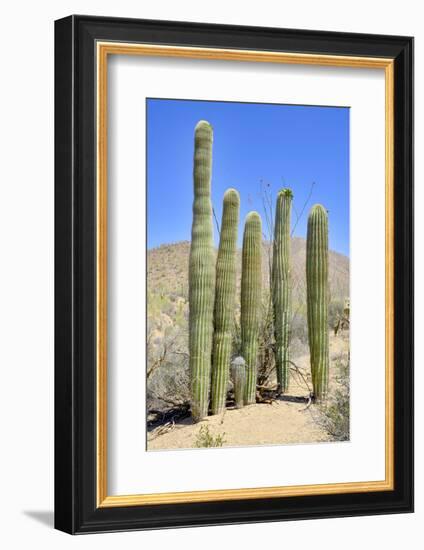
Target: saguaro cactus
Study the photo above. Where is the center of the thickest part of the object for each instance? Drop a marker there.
(281, 291)
(225, 291)
(201, 274)
(238, 374)
(251, 289)
(317, 298)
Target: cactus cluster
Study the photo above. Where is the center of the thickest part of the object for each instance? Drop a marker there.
(212, 292)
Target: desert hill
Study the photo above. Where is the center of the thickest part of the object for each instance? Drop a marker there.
(167, 267)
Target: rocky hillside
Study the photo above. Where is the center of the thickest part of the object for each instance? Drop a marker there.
(168, 268)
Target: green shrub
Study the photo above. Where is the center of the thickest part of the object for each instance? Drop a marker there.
(205, 439)
(335, 414)
(335, 311)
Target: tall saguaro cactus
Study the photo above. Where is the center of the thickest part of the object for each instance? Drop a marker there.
(317, 298)
(251, 288)
(281, 291)
(201, 274)
(225, 291)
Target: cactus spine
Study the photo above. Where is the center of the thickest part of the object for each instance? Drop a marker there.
(317, 298)
(201, 274)
(251, 288)
(281, 292)
(225, 291)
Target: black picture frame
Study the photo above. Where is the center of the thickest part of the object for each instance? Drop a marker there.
(76, 510)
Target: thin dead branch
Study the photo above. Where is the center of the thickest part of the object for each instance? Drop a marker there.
(299, 216)
(216, 221)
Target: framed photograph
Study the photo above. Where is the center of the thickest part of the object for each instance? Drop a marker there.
(234, 274)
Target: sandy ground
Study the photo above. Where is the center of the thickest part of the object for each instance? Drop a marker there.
(285, 421)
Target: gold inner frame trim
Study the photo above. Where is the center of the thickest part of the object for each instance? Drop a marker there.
(103, 50)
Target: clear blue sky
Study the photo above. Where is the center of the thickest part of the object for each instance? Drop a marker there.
(280, 145)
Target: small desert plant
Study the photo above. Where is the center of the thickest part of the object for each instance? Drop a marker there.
(335, 312)
(335, 414)
(167, 367)
(205, 439)
(336, 417)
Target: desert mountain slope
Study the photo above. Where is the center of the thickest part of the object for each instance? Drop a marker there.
(168, 270)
